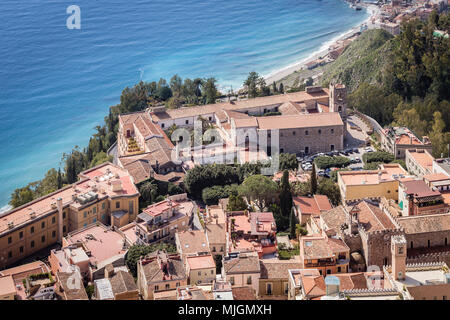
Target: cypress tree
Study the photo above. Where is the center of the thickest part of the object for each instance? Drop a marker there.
(313, 180)
(59, 179)
(285, 195)
(292, 224)
(281, 90)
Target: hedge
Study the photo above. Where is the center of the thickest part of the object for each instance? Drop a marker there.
(325, 162)
(379, 156)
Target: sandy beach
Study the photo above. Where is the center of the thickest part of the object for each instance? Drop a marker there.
(282, 73)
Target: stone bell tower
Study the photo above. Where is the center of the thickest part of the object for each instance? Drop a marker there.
(338, 100)
(398, 250)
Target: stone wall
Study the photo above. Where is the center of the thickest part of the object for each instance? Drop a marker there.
(296, 140)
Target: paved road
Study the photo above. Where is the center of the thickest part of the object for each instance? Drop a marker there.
(355, 138)
(195, 221)
(113, 152)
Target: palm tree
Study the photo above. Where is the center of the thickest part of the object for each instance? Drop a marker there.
(149, 191)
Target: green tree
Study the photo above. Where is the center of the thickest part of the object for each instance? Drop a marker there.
(439, 139)
(285, 194)
(292, 224)
(329, 189)
(210, 90)
(313, 180)
(236, 203)
(100, 158)
(60, 180)
(136, 252)
(288, 161)
(281, 88)
(21, 196)
(148, 191)
(259, 189)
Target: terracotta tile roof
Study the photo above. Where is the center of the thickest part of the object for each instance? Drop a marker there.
(435, 177)
(418, 188)
(69, 293)
(313, 284)
(277, 269)
(122, 282)
(243, 293)
(337, 245)
(25, 270)
(312, 205)
(216, 233)
(242, 104)
(244, 123)
(262, 223)
(300, 121)
(193, 241)
(154, 273)
(425, 223)
(316, 248)
(165, 295)
(200, 262)
(334, 218)
(349, 281)
(244, 263)
(7, 286)
(372, 217)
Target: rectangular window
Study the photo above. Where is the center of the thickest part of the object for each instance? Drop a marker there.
(32, 244)
(20, 234)
(117, 205)
(53, 233)
(10, 255)
(53, 220)
(43, 238)
(249, 280)
(94, 210)
(131, 207)
(269, 289)
(167, 286)
(232, 281)
(32, 230)
(21, 249)
(9, 240)
(187, 121)
(156, 288)
(103, 206)
(43, 225)
(64, 215)
(332, 130)
(64, 229)
(85, 214)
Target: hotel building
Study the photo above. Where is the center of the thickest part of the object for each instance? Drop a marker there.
(105, 193)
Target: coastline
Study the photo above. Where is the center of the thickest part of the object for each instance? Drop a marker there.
(278, 74)
(324, 49)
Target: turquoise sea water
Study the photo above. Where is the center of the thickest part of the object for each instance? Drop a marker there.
(56, 84)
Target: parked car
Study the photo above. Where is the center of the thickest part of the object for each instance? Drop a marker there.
(355, 150)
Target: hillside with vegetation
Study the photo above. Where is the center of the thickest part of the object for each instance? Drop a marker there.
(402, 81)
(364, 60)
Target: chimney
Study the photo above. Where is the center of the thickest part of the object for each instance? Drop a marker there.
(59, 205)
(109, 271)
(398, 250)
